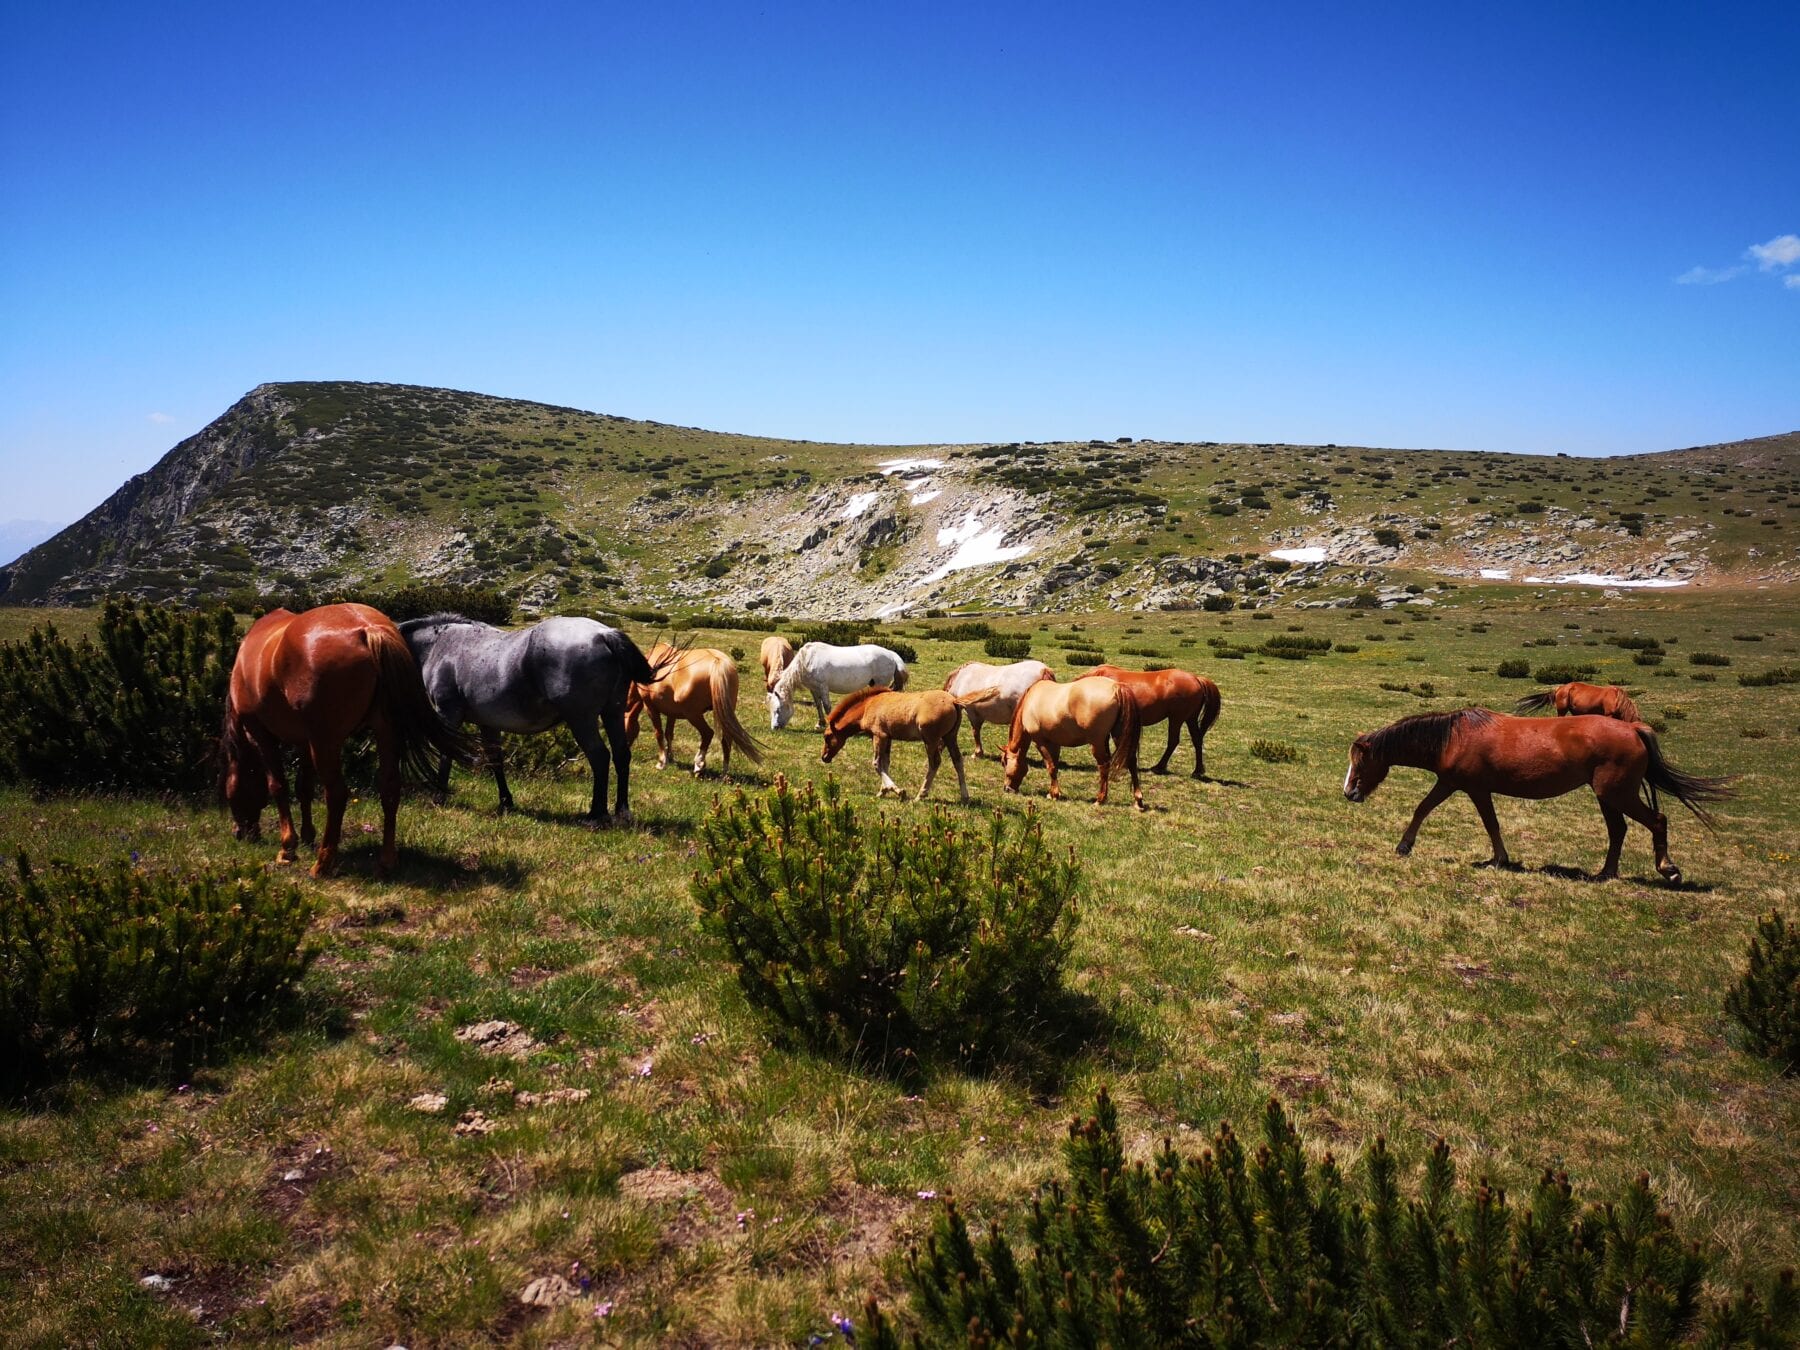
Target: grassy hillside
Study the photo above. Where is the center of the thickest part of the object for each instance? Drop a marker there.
(334, 485)
(1254, 934)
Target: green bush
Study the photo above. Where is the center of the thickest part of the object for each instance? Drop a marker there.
(967, 630)
(1007, 648)
(1388, 537)
(837, 633)
(1274, 752)
(1216, 604)
(1770, 678)
(741, 623)
(883, 941)
(1298, 644)
(1563, 674)
(1084, 656)
(1765, 1001)
(1513, 670)
(1252, 1247)
(138, 707)
(1708, 659)
(117, 960)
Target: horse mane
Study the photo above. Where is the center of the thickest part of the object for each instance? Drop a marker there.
(1423, 734)
(442, 619)
(854, 700)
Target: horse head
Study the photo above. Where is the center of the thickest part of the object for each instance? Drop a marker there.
(243, 781)
(1366, 772)
(1013, 766)
(781, 697)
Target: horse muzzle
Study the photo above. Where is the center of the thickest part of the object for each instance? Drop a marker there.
(1354, 794)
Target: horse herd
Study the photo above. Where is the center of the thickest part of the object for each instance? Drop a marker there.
(309, 681)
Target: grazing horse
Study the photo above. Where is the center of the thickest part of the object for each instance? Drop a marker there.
(1181, 698)
(310, 680)
(776, 652)
(1577, 699)
(1481, 752)
(569, 670)
(694, 682)
(1088, 712)
(932, 716)
(823, 670)
(1003, 685)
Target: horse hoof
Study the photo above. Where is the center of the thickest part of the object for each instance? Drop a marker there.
(1403, 850)
(309, 836)
(1673, 876)
(622, 817)
(1161, 769)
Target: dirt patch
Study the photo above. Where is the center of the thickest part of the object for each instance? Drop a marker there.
(701, 1204)
(498, 1038)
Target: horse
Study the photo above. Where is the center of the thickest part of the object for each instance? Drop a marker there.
(776, 652)
(823, 670)
(931, 716)
(1182, 698)
(1088, 711)
(1480, 752)
(699, 680)
(310, 680)
(1577, 699)
(569, 670)
(1004, 685)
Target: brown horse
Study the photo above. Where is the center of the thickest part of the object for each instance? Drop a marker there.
(776, 652)
(1481, 752)
(693, 683)
(1089, 711)
(1180, 698)
(311, 680)
(932, 716)
(1576, 699)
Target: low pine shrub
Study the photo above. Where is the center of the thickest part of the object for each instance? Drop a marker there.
(965, 630)
(740, 623)
(1563, 674)
(114, 960)
(137, 707)
(1708, 659)
(1084, 656)
(1768, 679)
(1274, 752)
(484, 604)
(837, 632)
(1006, 648)
(883, 941)
(1295, 646)
(1646, 658)
(1765, 1002)
(1216, 604)
(1513, 670)
(1262, 1246)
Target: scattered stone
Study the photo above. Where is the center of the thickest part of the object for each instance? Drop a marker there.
(497, 1087)
(554, 1097)
(430, 1103)
(293, 1174)
(157, 1284)
(548, 1291)
(1188, 930)
(498, 1038)
(475, 1123)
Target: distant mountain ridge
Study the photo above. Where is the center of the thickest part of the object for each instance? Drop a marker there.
(18, 535)
(331, 485)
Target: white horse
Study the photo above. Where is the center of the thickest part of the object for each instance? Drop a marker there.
(1004, 686)
(823, 670)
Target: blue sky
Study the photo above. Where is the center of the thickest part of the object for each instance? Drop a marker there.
(1431, 225)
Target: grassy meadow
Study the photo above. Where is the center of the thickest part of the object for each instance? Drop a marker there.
(1250, 935)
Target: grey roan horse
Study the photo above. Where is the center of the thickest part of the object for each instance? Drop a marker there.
(568, 670)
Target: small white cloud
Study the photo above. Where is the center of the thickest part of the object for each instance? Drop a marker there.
(1708, 276)
(1781, 251)
(1792, 281)
(160, 418)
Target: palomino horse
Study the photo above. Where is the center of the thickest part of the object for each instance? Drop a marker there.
(1086, 712)
(1576, 699)
(1177, 696)
(310, 680)
(823, 670)
(694, 682)
(932, 716)
(569, 670)
(1481, 752)
(1004, 685)
(777, 651)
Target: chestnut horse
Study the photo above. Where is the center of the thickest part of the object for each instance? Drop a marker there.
(1008, 683)
(1576, 699)
(311, 680)
(1481, 752)
(1089, 712)
(776, 652)
(932, 716)
(693, 683)
(1182, 698)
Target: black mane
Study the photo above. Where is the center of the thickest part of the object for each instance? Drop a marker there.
(1421, 736)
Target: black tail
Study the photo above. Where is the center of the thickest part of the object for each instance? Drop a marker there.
(1688, 789)
(419, 733)
(1532, 702)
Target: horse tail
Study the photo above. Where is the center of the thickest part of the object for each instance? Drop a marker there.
(1533, 702)
(234, 747)
(638, 668)
(418, 730)
(1126, 732)
(1209, 704)
(724, 681)
(1688, 789)
(901, 675)
(978, 696)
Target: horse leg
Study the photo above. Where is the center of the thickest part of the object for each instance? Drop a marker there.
(1199, 739)
(665, 738)
(621, 757)
(492, 747)
(1103, 761)
(706, 739)
(1433, 799)
(822, 703)
(1051, 766)
(1162, 765)
(1484, 807)
(303, 789)
(587, 735)
(328, 764)
(451, 712)
(934, 754)
(883, 748)
(956, 762)
(1615, 840)
(387, 751)
(1658, 825)
(275, 775)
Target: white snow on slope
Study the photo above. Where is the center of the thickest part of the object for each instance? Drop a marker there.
(975, 547)
(861, 502)
(1601, 579)
(889, 466)
(1300, 555)
(920, 498)
(1496, 574)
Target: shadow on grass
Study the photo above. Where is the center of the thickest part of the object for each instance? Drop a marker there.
(433, 868)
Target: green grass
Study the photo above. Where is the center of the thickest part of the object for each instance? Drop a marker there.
(1252, 934)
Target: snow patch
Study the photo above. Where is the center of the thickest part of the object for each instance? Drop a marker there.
(1496, 574)
(861, 502)
(975, 547)
(920, 498)
(892, 466)
(1299, 555)
(1601, 579)
(959, 534)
